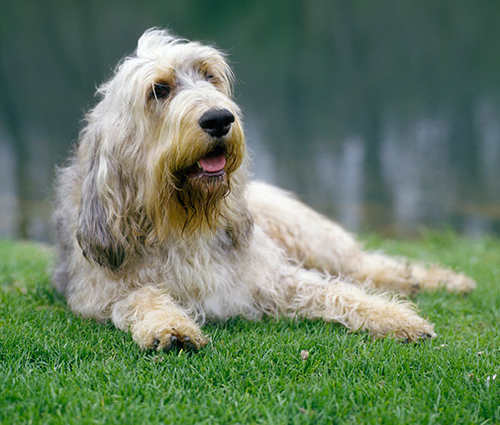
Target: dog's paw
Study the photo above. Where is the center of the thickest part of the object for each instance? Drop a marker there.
(413, 329)
(436, 277)
(457, 282)
(183, 342)
(161, 330)
(398, 319)
(421, 339)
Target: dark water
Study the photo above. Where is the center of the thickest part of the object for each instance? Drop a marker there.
(385, 115)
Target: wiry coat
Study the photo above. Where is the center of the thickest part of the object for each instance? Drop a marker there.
(159, 230)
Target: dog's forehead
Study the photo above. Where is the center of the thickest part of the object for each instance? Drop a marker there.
(161, 58)
(183, 56)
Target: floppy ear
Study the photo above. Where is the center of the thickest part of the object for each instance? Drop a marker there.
(98, 242)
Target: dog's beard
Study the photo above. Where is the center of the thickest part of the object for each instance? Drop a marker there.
(188, 203)
(200, 198)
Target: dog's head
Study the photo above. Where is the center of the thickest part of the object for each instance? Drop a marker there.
(163, 148)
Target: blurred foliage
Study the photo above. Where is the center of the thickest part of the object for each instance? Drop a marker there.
(310, 74)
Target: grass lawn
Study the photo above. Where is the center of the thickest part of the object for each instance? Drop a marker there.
(57, 368)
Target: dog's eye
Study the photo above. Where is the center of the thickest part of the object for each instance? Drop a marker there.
(209, 77)
(160, 91)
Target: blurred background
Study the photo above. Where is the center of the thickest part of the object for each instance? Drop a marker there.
(384, 115)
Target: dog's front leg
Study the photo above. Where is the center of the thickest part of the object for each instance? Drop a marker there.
(155, 321)
(309, 294)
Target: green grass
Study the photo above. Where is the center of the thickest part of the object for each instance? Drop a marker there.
(57, 368)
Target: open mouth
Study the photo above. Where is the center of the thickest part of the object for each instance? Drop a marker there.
(211, 165)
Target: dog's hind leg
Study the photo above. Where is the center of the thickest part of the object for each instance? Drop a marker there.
(306, 236)
(316, 242)
(407, 276)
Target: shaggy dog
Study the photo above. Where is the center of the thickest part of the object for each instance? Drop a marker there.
(159, 228)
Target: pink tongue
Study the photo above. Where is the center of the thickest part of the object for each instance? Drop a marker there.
(212, 164)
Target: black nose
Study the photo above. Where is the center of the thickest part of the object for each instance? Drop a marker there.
(216, 122)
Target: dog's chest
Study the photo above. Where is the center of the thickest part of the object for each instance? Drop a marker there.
(210, 275)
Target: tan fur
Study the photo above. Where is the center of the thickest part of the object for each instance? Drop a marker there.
(157, 244)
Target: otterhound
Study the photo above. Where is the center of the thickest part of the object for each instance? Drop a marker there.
(160, 230)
